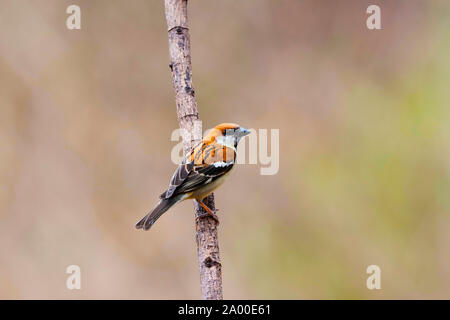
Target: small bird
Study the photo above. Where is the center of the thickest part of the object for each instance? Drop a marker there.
(202, 171)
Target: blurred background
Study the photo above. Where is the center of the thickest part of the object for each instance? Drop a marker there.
(85, 124)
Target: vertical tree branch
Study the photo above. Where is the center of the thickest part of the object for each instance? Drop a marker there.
(180, 65)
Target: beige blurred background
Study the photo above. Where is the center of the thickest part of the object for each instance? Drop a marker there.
(85, 124)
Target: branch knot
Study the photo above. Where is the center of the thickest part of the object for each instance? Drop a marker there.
(209, 262)
(179, 29)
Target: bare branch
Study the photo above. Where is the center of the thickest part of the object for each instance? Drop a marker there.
(181, 68)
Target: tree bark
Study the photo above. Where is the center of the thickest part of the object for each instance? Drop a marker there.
(181, 68)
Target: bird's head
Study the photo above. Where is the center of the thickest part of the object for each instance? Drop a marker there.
(227, 134)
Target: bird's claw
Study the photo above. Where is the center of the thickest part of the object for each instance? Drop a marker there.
(206, 215)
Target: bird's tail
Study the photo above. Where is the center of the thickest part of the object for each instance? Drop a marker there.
(162, 206)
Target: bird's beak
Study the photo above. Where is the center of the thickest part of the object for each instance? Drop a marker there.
(243, 132)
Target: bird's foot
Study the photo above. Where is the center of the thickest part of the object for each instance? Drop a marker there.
(206, 215)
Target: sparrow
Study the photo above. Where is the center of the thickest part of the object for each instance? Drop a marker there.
(202, 171)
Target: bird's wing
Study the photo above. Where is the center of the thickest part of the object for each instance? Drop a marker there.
(208, 162)
(202, 175)
(178, 178)
(182, 171)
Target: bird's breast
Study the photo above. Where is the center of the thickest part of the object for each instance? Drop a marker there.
(206, 189)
